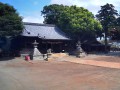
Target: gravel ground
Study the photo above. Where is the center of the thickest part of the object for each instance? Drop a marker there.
(17, 74)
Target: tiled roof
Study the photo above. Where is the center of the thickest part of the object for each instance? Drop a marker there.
(43, 31)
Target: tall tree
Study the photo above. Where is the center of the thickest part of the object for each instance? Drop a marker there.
(51, 13)
(72, 19)
(118, 21)
(79, 22)
(107, 16)
(10, 21)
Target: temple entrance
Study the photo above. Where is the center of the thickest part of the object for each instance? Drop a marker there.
(56, 47)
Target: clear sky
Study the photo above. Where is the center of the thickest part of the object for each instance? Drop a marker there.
(30, 10)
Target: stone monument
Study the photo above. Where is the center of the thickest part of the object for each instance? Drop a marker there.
(79, 50)
(36, 54)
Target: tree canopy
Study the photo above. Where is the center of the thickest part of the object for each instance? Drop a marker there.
(107, 16)
(52, 13)
(71, 19)
(10, 21)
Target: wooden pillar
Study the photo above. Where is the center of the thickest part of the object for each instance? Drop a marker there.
(46, 45)
(25, 45)
(60, 47)
(69, 46)
(51, 46)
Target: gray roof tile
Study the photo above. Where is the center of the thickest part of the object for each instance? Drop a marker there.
(43, 31)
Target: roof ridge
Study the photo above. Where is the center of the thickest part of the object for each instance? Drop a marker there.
(38, 24)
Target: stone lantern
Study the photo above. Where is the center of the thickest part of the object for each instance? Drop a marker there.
(35, 44)
(78, 49)
(36, 54)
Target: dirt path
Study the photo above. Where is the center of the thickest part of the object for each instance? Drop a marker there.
(18, 74)
(95, 60)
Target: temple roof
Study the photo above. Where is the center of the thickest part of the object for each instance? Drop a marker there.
(43, 31)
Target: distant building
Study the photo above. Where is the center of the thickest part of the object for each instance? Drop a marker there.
(48, 37)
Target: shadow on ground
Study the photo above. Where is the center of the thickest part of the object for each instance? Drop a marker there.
(6, 58)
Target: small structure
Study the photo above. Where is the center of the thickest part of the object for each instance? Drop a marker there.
(49, 51)
(78, 49)
(36, 54)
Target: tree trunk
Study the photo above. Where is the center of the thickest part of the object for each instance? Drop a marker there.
(106, 42)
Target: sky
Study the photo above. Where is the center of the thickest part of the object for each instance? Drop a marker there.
(30, 10)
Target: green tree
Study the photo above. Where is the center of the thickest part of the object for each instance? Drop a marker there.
(118, 21)
(51, 13)
(107, 16)
(76, 21)
(10, 21)
(116, 33)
